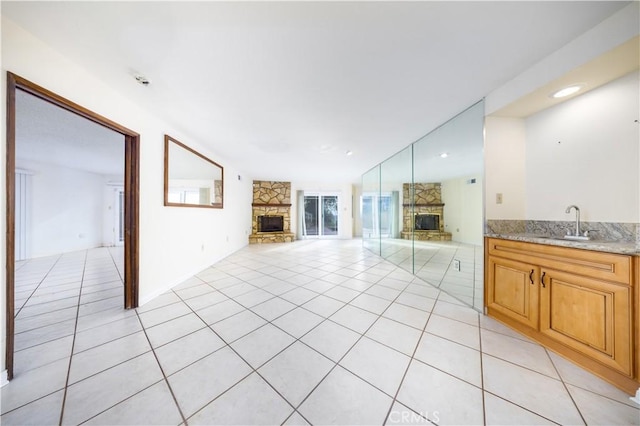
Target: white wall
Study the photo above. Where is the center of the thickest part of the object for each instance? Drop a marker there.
(345, 202)
(585, 152)
(504, 156)
(66, 208)
(502, 174)
(174, 242)
(462, 205)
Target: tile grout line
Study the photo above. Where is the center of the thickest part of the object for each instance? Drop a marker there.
(285, 348)
(564, 385)
(73, 343)
(406, 371)
(430, 315)
(484, 403)
(337, 363)
(253, 370)
(38, 286)
(164, 375)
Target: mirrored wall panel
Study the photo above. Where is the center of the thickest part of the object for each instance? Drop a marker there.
(426, 213)
(190, 178)
(448, 206)
(395, 211)
(369, 207)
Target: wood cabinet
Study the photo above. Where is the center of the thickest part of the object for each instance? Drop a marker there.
(577, 302)
(590, 316)
(514, 292)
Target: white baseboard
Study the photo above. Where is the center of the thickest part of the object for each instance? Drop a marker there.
(148, 298)
(3, 378)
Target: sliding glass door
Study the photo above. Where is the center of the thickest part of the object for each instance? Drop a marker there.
(320, 215)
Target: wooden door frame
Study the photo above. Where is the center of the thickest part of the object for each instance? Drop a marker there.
(131, 195)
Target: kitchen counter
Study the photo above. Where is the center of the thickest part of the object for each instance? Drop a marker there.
(594, 245)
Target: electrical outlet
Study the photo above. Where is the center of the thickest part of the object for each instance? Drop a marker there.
(499, 198)
(456, 264)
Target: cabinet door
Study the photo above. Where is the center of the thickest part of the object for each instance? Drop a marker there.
(590, 316)
(513, 290)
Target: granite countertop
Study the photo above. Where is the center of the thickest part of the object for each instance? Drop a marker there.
(595, 245)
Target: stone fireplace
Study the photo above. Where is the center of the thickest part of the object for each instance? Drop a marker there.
(271, 213)
(423, 214)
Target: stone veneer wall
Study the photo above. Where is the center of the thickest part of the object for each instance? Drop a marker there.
(427, 199)
(271, 199)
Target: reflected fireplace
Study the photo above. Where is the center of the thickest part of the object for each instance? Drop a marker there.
(423, 212)
(427, 222)
(270, 223)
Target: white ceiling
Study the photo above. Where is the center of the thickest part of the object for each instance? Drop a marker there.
(48, 134)
(283, 89)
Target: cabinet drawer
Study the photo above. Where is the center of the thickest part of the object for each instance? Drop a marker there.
(605, 266)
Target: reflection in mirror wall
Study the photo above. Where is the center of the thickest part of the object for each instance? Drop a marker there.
(428, 217)
(395, 215)
(190, 178)
(369, 210)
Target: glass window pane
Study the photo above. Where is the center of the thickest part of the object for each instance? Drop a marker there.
(311, 214)
(330, 215)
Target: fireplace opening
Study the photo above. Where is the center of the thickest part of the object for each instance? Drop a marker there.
(270, 223)
(427, 222)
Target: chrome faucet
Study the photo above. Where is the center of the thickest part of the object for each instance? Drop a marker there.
(573, 206)
(577, 235)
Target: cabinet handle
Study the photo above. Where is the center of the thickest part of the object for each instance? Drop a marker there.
(531, 276)
(542, 279)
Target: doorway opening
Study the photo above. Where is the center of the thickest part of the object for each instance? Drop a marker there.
(130, 199)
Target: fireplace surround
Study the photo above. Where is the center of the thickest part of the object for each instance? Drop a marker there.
(271, 213)
(423, 212)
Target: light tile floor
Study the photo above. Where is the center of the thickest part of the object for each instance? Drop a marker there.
(319, 332)
(433, 262)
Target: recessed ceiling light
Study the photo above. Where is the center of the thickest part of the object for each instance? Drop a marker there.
(349, 152)
(444, 155)
(569, 90)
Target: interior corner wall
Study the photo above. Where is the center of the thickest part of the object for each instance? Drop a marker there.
(65, 209)
(504, 154)
(585, 152)
(174, 242)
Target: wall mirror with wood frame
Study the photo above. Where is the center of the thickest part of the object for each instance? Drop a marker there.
(190, 178)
